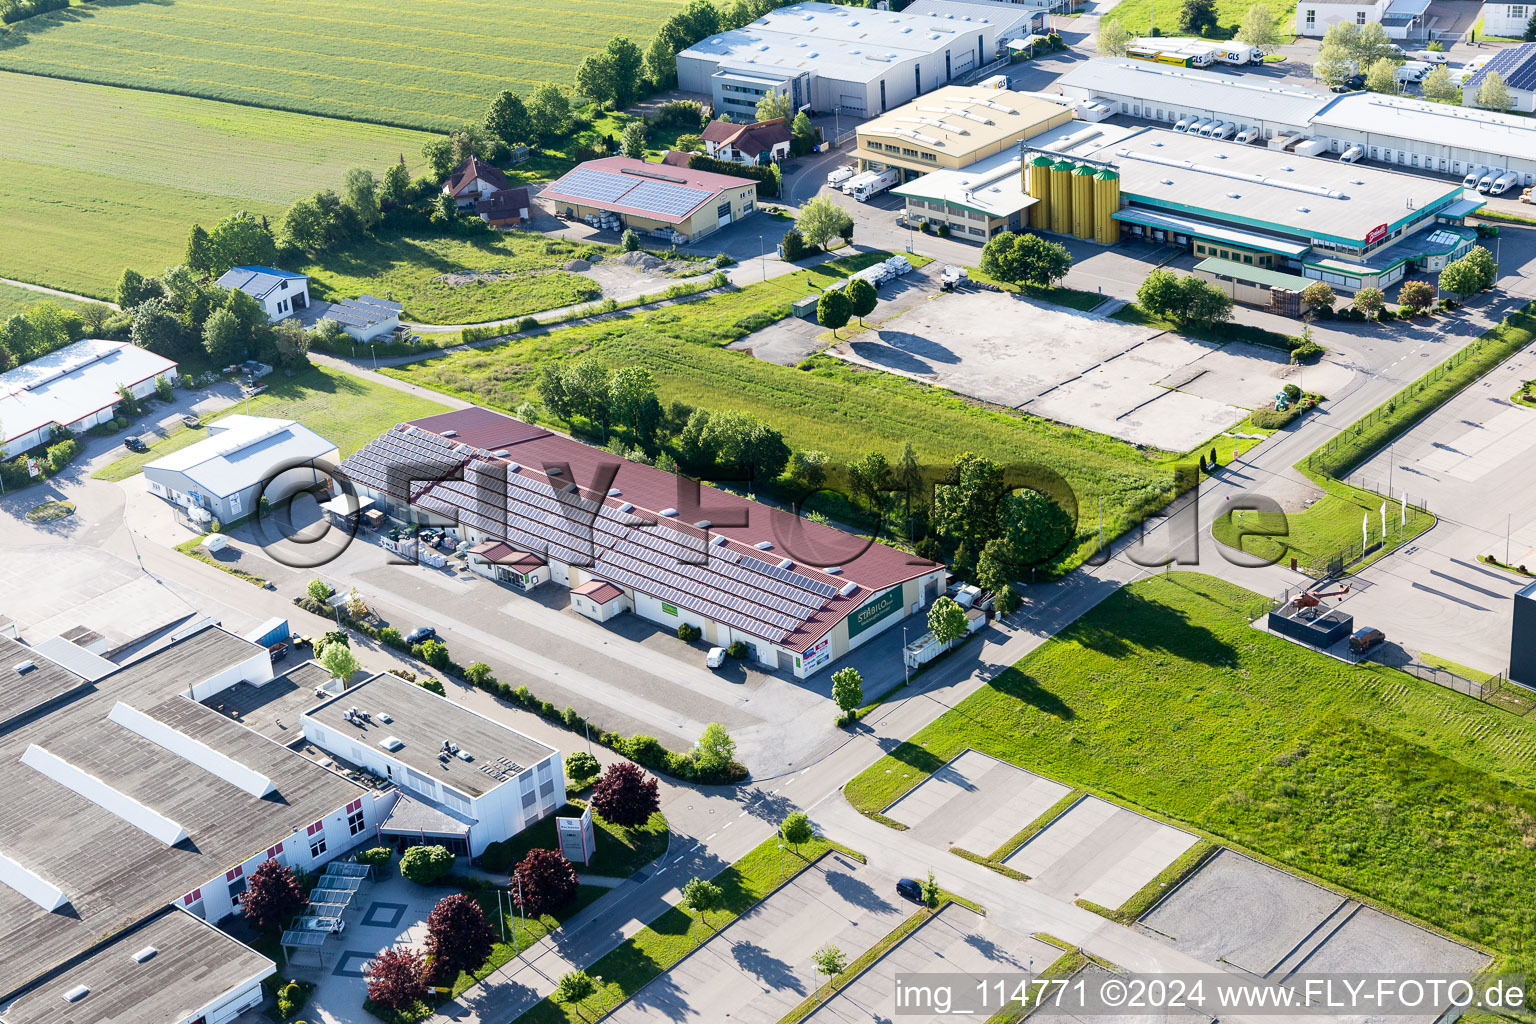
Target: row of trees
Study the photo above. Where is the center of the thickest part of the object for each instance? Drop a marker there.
(1184, 299)
(1349, 49)
(46, 327)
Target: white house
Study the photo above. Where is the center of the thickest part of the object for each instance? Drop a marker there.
(761, 142)
(243, 459)
(1517, 66)
(74, 388)
(281, 293)
(1507, 20)
(1402, 19)
(472, 181)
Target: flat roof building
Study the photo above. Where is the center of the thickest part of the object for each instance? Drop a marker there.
(954, 127)
(678, 203)
(827, 57)
(73, 388)
(242, 460)
(799, 594)
(977, 202)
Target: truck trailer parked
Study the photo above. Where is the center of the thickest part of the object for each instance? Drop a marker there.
(866, 187)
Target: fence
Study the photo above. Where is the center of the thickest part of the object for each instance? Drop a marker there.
(1497, 690)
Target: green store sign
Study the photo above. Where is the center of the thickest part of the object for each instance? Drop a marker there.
(873, 610)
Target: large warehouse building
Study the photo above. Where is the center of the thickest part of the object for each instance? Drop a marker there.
(798, 594)
(1393, 130)
(74, 388)
(827, 57)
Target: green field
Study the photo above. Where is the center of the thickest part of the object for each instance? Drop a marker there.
(416, 63)
(78, 205)
(831, 406)
(1329, 527)
(15, 300)
(406, 267)
(348, 410)
(1141, 16)
(1163, 697)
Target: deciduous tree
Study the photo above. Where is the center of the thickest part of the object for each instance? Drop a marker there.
(830, 961)
(458, 937)
(715, 752)
(360, 192)
(397, 978)
(1416, 295)
(626, 795)
(1197, 16)
(549, 111)
(1113, 38)
(862, 298)
(573, 987)
(773, 104)
(339, 661)
(701, 896)
(240, 240)
(544, 882)
(272, 895)
(507, 118)
(1258, 27)
(848, 689)
(967, 502)
(820, 220)
(424, 864)
(796, 829)
(1494, 94)
(832, 309)
(1437, 85)
(199, 257)
(1370, 301)
(1381, 76)
(946, 620)
(1319, 295)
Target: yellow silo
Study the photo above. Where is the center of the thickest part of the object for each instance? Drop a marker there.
(1106, 203)
(1082, 202)
(1061, 197)
(1037, 183)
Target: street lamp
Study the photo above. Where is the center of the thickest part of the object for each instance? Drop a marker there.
(906, 671)
(602, 1005)
(762, 256)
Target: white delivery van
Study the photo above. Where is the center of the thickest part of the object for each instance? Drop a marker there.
(1503, 183)
(1474, 175)
(1428, 56)
(1485, 183)
(1352, 154)
(837, 177)
(1225, 131)
(1246, 136)
(1411, 71)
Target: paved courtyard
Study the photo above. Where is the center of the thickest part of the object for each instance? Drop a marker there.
(954, 942)
(1099, 852)
(975, 802)
(759, 966)
(1135, 383)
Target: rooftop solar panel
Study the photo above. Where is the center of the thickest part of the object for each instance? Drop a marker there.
(596, 186)
(665, 198)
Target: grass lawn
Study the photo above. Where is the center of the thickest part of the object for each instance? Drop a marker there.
(1163, 697)
(670, 937)
(1141, 16)
(1327, 529)
(76, 207)
(192, 548)
(345, 409)
(831, 406)
(620, 852)
(405, 268)
(15, 300)
(414, 63)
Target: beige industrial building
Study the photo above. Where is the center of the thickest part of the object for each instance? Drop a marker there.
(954, 127)
(679, 204)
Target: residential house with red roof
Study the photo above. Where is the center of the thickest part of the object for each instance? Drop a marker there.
(756, 144)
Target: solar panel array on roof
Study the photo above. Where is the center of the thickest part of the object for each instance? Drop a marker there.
(596, 186)
(672, 563)
(1516, 65)
(665, 197)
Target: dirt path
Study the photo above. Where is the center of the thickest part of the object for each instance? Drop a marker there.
(54, 292)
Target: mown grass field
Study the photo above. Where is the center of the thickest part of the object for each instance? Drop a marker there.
(15, 300)
(93, 179)
(406, 268)
(340, 407)
(1140, 16)
(1312, 536)
(416, 63)
(1164, 697)
(829, 406)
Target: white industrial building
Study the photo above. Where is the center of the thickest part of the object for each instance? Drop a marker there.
(1402, 19)
(1507, 20)
(243, 459)
(1394, 130)
(856, 60)
(1517, 67)
(798, 594)
(74, 389)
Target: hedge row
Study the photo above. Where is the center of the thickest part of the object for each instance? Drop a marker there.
(646, 751)
(15, 10)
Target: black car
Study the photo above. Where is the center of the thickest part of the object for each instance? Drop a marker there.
(910, 888)
(420, 635)
(133, 444)
(1365, 638)
(1351, 84)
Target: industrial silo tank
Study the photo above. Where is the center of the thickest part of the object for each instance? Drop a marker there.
(1106, 203)
(1037, 183)
(1083, 225)
(1061, 197)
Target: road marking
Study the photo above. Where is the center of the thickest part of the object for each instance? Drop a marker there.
(727, 825)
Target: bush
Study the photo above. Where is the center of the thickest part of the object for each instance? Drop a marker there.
(479, 676)
(547, 882)
(377, 857)
(389, 636)
(737, 649)
(1273, 419)
(944, 229)
(688, 633)
(432, 685)
(59, 455)
(527, 323)
(319, 590)
(581, 768)
(424, 865)
(435, 653)
(626, 796)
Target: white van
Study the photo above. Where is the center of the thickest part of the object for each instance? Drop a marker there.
(1246, 136)
(1224, 131)
(837, 177)
(1411, 71)
(1428, 56)
(1195, 126)
(1485, 183)
(1474, 175)
(1208, 130)
(1352, 154)
(1182, 124)
(1503, 183)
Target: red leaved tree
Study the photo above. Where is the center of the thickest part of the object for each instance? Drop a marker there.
(625, 795)
(458, 939)
(272, 895)
(397, 978)
(543, 882)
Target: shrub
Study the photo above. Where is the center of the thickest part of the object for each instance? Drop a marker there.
(479, 676)
(1273, 419)
(625, 795)
(944, 229)
(581, 768)
(426, 864)
(546, 881)
(527, 323)
(737, 649)
(435, 653)
(389, 636)
(432, 685)
(397, 978)
(377, 857)
(319, 590)
(59, 455)
(688, 633)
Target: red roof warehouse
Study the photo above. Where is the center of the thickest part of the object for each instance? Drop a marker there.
(681, 551)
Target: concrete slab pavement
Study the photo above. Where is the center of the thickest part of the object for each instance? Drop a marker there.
(976, 802)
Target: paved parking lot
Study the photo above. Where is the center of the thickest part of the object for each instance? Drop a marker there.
(1135, 383)
(975, 802)
(1099, 852)
(955, 942)
(759, 966)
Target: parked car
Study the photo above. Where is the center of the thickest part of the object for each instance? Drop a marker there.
(715, 658)
(421, 634)
(1365, 638)
(134, 444)
(1246, 136)
(910, 888)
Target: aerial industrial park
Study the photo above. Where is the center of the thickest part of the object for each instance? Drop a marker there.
(767, 511)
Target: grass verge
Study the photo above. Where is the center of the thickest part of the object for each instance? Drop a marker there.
(1164, 698)
(1141, 901)
(619, 853)
(349, 410)
(192, 548)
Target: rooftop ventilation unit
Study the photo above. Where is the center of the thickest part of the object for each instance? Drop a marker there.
(144, 955)
(785, 563)
(848, 588)
(77, 993)
(668, 512)
(717, 540)
(702, 524)
(553, 471)
(385, 718)
(614, 492)
(626, 507)
(23, 667)
(391, 743)
(465, 756)
(514, 467)
(502, 453)
(764, 545)
(833, 570)
(450, 433)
